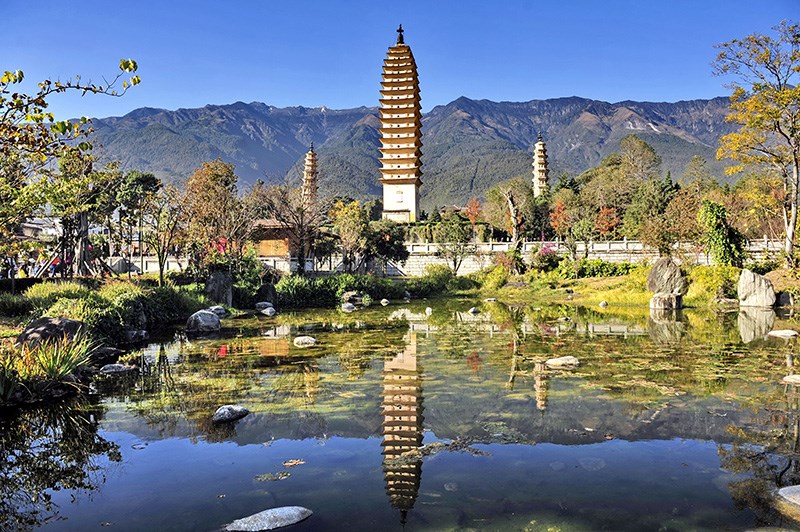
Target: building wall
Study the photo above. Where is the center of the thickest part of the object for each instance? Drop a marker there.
(400, 197)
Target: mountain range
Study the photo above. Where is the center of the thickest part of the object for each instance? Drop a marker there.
(468, 145)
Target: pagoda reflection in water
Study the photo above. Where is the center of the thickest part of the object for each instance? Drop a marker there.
(402, 427)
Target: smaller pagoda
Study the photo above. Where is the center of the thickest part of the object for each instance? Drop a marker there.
(310, 187)
(540, 169)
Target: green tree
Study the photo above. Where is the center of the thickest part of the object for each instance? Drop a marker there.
(219, 222)
(351, 223)
(511, 207)
(387, 242)
(724, 243)
(135, 191)
(163, 216)
(765, 105)
(453, 241)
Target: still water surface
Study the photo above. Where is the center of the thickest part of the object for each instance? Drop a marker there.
(399, 418)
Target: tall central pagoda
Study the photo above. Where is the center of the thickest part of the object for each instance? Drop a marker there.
(400, 116)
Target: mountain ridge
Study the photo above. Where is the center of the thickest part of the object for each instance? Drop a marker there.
(468, 144)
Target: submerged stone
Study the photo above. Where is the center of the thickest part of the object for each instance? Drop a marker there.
(783, 333)
(269, 311)
(229, 413)
(348, 307)
(568, 361)
(117, 369)
(270, 519)
(304, 341)
(793, 380)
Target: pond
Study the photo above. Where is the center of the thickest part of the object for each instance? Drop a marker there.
(425, 417)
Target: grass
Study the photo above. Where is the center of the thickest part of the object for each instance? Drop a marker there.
(35, 369)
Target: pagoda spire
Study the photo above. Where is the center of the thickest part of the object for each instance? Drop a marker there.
(401, 122)
(540, 169)
(310, 187)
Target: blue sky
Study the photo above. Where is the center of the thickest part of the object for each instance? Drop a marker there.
(312, 53)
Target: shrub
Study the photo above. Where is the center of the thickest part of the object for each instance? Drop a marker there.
(709, 282)
(167, 304)
(544, 259)
(435, 280)
(44, 295)
(763, 267)
(582, 268)
(496, 278)
(103, 320)
(14, 305)
(511, 260)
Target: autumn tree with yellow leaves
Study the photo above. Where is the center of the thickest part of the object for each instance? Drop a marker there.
(765, 104)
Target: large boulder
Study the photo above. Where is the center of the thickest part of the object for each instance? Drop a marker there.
(755, 290)
(50, 329)
(203, 321)
(666, 301)
(266, 292)
(219, 288)
(666, 277)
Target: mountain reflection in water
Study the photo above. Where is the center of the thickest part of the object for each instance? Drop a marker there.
(671, 420)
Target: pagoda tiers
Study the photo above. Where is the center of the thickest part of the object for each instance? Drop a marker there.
(540, 170)
(400, 117)
(310, 186)
(402, 427)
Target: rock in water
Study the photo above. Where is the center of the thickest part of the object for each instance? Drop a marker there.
(665, 276)
(218, 310)
(755, 290)
(269, 312)
(270, 519)
(755, 323)
(428, 311)
(474, 311)
(117, 369)
(384, 302)
(135, 337)
(229, 413)
(793, 380)
(304, 341)
(603, 304)
(783, 333)
(562, 362)
(261, 305)
(203, 321)
(663, 300)
(348, 307)
(49, 329)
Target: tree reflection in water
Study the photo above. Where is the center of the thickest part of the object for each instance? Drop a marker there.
(48, 449)
(767, 449)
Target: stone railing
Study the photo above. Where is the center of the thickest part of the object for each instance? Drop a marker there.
(424, 254)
